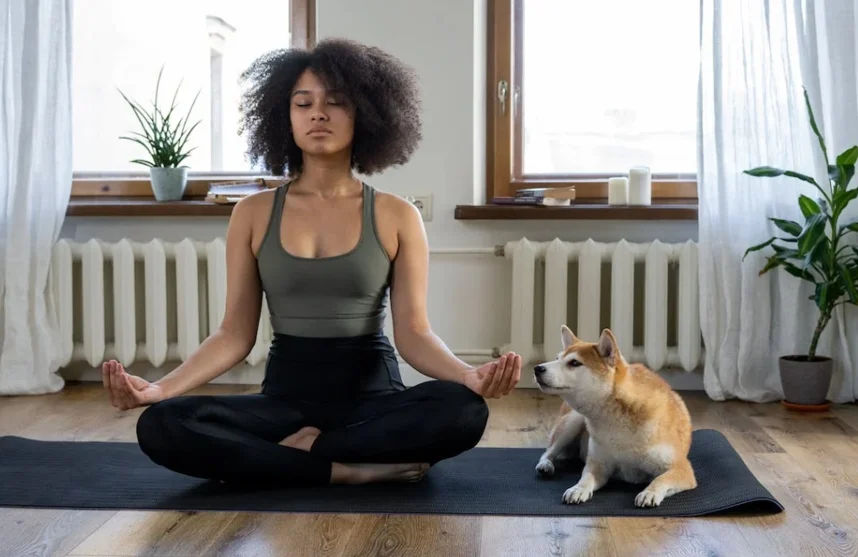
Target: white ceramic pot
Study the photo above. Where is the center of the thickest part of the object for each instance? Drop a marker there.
(168, 184)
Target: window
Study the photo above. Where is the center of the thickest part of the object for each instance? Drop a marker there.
(580, 91)
(202, 46)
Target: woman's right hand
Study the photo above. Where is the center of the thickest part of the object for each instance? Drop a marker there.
(128, 391)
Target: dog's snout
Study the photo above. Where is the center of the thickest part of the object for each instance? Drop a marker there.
(540, 369)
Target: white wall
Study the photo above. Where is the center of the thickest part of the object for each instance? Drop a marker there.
(443, 41)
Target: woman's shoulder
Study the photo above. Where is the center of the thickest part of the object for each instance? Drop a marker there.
(254, 205)
(396, 208)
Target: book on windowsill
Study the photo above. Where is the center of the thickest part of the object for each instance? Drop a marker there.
(225, 193)
(560, 193)
(531, 201)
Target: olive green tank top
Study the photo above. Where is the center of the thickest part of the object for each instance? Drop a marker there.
(340, 296)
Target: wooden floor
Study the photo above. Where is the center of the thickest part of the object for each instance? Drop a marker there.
(809, 462)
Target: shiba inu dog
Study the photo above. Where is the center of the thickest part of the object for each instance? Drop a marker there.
(621, 419)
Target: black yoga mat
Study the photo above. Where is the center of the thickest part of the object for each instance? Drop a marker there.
(482, 481)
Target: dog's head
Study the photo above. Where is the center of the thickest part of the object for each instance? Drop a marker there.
(583, 371)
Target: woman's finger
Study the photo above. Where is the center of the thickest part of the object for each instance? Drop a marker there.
(133, 394)
(515, 372)
(513, 363)
(122, 390)
(509, 375)
(111, 382)
(492, 391)
(105, 379)
(517, 369)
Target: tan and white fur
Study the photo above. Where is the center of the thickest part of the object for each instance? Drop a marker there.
(622, 420)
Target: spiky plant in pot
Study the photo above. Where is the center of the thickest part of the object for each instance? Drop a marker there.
(818, 252)
(164, 137)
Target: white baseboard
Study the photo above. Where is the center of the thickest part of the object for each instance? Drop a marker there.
(252, 375)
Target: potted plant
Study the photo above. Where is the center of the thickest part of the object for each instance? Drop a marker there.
(164, 137)
(816, 251)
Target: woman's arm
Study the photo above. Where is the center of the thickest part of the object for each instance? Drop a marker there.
(234, 339)
(415, 341)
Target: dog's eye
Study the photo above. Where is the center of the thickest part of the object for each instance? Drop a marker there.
(574, 363)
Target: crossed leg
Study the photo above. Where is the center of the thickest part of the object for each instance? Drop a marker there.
(256, 438)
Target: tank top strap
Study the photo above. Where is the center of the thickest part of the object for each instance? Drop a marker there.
(277, 211)
(368, 229)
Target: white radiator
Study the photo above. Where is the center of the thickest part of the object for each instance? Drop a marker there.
(199, 300)
(656, 256)
(168, 297)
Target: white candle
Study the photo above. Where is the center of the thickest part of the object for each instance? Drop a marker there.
(640, 186)
(618, 191)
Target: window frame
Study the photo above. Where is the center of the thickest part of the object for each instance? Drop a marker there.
(136, 184)
(504, 127)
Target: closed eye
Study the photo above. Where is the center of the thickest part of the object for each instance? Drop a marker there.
(573, 363)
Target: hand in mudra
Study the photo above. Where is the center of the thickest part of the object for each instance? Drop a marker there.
(497, 378)
(128, 391)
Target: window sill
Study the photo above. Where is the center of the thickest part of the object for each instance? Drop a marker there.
(116, 206)
(595, 209)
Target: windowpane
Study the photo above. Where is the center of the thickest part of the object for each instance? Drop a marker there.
(204, 44)
(609, 85)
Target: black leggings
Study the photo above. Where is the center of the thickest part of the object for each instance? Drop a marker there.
(235, 438)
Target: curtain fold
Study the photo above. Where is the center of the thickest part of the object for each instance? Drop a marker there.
(35, 184)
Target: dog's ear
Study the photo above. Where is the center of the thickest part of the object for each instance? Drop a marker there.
(567, 337)
(607, 347)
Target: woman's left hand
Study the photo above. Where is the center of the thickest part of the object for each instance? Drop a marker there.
(497, 378)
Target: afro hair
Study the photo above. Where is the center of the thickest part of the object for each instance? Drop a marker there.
(383, 91)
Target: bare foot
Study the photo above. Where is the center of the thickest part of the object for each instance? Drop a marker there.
(371, 473)
(302, 439)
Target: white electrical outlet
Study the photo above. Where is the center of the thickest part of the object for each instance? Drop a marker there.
(424, 204)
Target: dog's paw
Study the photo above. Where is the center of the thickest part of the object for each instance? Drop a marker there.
(545, 467)
(649, 498)
(577, 494)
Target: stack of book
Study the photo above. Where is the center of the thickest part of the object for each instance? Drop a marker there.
(225, 193)
(547, 197)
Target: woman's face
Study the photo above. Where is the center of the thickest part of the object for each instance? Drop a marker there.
(322, 120)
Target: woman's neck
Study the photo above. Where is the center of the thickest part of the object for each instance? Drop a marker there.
(326, 178)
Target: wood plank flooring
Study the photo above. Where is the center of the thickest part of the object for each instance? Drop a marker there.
(809, 462)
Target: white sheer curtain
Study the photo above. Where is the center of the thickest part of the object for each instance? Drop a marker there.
(755, 58)
(35, 183)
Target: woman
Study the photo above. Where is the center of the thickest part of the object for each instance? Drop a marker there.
(325, 248)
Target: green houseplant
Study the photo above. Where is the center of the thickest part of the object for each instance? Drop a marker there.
(816, 251)
(164, 136)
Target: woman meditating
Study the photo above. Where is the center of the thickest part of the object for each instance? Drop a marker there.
(325, 249)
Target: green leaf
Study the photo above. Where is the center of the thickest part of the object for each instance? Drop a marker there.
(797, 272)
(841, 175)
(849, 156)
(842, 198)
(788, 226)
(758, 247)
(786, 253)
(808, 206)
(772, 172)
(802, 177)
(814, 126)
(820, 295)
(771, 262)
(816, 255)
(765, 172)
(814, 231)
(848, 282)
(850, 226)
